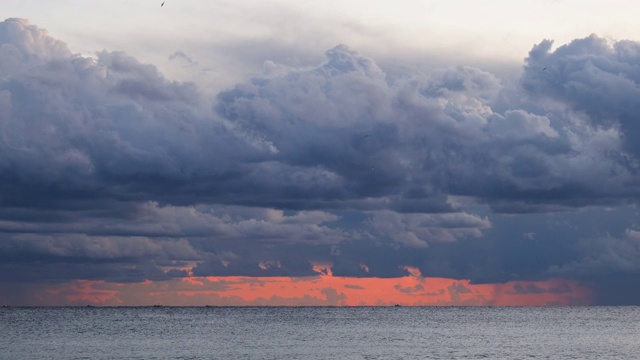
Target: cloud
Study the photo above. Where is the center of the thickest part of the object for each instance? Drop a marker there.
(181, 56)
(594, 76)
(338, 135)
(458, 131)
(108, 166)
(417, 230)
(24, 41)
(606, 255)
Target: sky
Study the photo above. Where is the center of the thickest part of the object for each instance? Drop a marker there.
(338, 153)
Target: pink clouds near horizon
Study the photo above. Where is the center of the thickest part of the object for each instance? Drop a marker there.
(321, 290)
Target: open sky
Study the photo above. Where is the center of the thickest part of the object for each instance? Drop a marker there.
(282, 152)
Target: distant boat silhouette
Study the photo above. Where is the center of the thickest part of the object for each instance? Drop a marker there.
(396, 305)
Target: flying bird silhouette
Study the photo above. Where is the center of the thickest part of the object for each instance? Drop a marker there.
(161, 5)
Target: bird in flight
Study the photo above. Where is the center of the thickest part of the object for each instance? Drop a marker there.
(161, 5)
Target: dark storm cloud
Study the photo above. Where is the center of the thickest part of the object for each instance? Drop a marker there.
(338, 135)
(417, 138)
(593, 75)
(109, 170)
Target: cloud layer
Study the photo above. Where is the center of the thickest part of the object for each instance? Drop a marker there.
(112, 171)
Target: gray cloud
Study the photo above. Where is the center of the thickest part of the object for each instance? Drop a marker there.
(338, 135)
(605, 255)
(594, 76)
(181, 56)
(109, 167)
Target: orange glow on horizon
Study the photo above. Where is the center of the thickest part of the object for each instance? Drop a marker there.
(323, 290)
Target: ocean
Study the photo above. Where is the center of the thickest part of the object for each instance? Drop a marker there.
(320, 333)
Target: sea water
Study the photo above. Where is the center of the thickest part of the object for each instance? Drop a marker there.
(320, 333)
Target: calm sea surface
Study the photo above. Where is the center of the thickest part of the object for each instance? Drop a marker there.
(320, 333)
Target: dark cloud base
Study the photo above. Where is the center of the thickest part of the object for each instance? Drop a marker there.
(109, 171)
